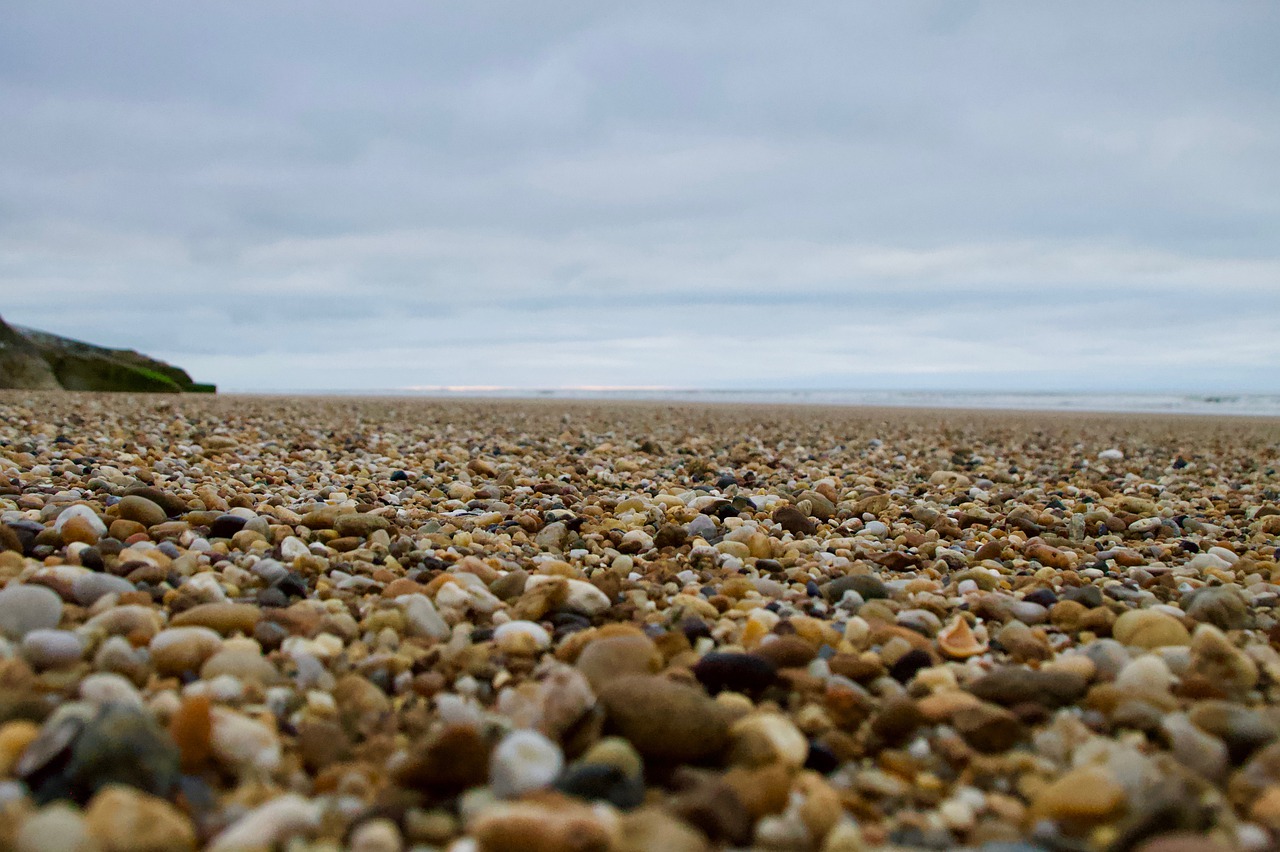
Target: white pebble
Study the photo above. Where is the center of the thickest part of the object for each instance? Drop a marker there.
(25, 608)
(422, 618)
(523, 762)
(293, 547)
(1148, 674)
(269, 825)
(81, 511)
(109, 688)
(52, 649)
(243, 744)
(516, 636)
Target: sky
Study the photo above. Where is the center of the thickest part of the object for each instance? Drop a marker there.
(945, 195)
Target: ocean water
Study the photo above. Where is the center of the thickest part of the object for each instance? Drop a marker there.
(1255, 405)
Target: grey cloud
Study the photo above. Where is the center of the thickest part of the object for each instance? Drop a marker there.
(313, 195)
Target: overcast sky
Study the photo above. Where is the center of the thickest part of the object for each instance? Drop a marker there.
(940, 195)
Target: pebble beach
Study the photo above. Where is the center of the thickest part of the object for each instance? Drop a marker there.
(523, 626)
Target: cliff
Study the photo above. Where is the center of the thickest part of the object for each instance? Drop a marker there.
(38, 360)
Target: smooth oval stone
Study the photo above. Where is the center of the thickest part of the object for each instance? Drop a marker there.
(140, 510)
(52, 649)
(24, 608)
(522, 762)
(87, 588)
(176, 650)
(612, 657)
(666, 720)
(747, 673)
(222, 617)
(80, 510)
(601, 782)
(1148, 628)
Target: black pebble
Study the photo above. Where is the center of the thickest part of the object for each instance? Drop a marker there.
(1086, 595)
(225, 526)
(272, 597)
(91, 558)
(747, 673)
(910, 663)
(1044, 597)
(600, 782)
(293, 585)
(821, 759)
(694, 628)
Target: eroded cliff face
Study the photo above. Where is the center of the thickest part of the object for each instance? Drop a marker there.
(37, 360)
(21, 364)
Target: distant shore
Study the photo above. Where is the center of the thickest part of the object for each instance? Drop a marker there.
(1242, 404)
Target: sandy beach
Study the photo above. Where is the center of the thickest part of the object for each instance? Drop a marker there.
(383, 624)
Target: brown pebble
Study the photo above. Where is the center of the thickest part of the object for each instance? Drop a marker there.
(191, 727)
(665, 720)
(141, 510)
(225, 618)
(988, 728)
(786, 652)
(611, 657)
(793, 521)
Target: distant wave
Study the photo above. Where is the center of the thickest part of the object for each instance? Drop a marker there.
(1256, 405)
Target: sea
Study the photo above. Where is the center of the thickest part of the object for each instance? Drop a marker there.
(1251, 405)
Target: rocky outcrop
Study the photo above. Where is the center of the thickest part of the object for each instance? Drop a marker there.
(37, 360)
(21, 364)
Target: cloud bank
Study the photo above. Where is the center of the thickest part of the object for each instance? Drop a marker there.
(943, 194)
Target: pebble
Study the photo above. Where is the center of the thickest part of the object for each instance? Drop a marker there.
(377, 835)
(1011, 686)
(293, 548)
(521, 637)
(665, 720)
(746, 673)
(268, 825)
(242, 744)
(1087, 795)
(988, 728)
(422, 618)
(52, 649)
(1244, 730)
(1221, 606)
(140, 510)
(84, 513)
(613, 657)
(522, 762)
(176, 650)
(87, 589)
(1145, 628)
(540, 827)
(765, 738)
(652, 830)
(118, 744)
(224, 618)
(57, 827)
(1148, 675)
(24, 608)
(1202, 753)
(122, 819)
